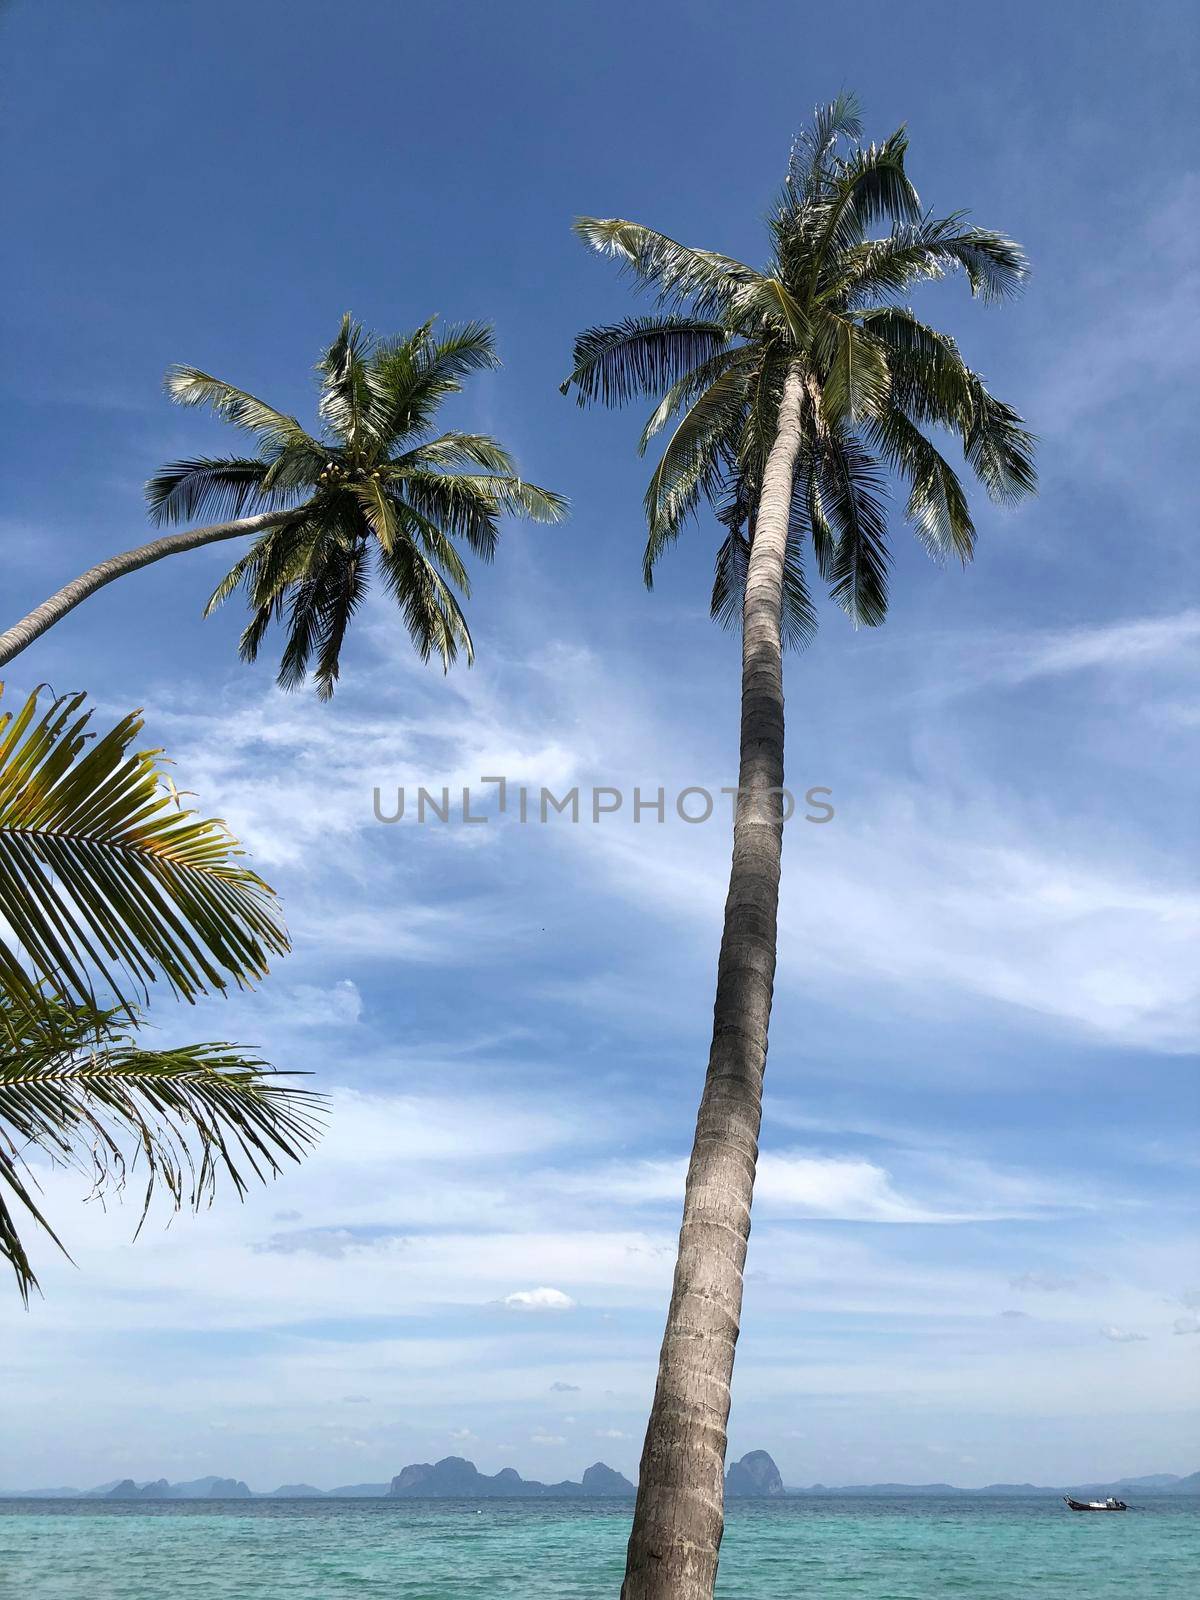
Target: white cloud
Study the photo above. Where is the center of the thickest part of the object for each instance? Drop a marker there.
(933, 899)
(1122, 1335)
(792, 1184)
(1115, 645)
(539, 1300)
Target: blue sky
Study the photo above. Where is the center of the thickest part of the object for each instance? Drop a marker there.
(974, 1249)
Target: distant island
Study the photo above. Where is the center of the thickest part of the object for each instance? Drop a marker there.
(456, 1479)
(755, 1476)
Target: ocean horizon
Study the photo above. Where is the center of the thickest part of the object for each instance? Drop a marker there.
(918, 1547)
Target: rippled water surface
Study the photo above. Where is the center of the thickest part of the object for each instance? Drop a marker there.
(850, 1549)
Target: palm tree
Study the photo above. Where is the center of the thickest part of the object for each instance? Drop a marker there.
(376, 485)
(795, 392)
(105, 881)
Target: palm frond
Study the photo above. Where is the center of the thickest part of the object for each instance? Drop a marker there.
(469, 504)
(414, 375)
(310, 590)
(681, 276)
(437, 545)
(341, 590)
(856, 379)
(218, 488)
(188, 386)
(871, 186)
(995, 266)
(273, 561)
(78, 1086)
(932, 383)
(999, 446)
(853, 505)
(768, 305)
(518, 497)
(729, 579)
(102, 876)
(692, 465)
(377, 508)
(430, 610)
(937, 505)
(456, 450)
(743, 358)
(815, 144)
(347, 398)
(642, 355)
(454, 503)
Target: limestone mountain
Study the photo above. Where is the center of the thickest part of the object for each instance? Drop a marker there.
(754, 1475)
(454, 1478)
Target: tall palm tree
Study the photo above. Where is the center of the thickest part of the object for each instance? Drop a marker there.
(106, 885)
(376, 486)
(795, 392)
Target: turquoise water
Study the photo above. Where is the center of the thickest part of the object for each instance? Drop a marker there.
(915, 1549)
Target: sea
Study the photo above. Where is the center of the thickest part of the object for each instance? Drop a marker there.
(798, 1548)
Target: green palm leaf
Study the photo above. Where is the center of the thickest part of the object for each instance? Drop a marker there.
(995, 266)
(707, 281)
(815, 144)
(642, 355)
(937, 504)
(856, 377)
(692, 465)
(347, 402)
(100, 872)
(219, 488)
(77, 1087)
(452, 451)
(188, 386)
(998, 446)
(743, 358)
(853, 502)
(415, 375)
(433, 616)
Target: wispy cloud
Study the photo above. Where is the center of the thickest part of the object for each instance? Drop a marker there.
(850, 1188)
(1116, 645)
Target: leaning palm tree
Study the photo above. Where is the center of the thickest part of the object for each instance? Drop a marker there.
(796, 392)
(375, 489)
(107, 884)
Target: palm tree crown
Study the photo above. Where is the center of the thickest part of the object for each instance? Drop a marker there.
(375, 485)
(876, 378)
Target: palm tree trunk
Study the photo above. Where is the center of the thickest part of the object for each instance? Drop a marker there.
(679, 1516)
(23, 633)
